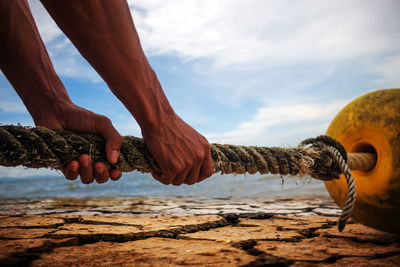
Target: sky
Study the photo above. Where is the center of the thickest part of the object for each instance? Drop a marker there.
(267, 73)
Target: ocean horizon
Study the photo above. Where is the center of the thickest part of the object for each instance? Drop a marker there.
(136, 184)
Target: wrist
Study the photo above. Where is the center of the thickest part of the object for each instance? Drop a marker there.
(143, 96)
(49, 113)
(159, 122)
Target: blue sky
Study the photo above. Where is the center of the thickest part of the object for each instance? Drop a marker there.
(252, 72)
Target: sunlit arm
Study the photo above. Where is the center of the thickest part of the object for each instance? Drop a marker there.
(26, 64)
(107, 38)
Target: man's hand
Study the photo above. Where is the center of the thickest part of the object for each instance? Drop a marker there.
(72, 117)
(182, 153)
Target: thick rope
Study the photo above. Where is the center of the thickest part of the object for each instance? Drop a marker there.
(41, 147)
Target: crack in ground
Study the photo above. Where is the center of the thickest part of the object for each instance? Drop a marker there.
(365, 241)
(263, 258)
(49, 226)
(164, 233)
(26, 257)
(81, 220)
(267, 259)
(335, 257)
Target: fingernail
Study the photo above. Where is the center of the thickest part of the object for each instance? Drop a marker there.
(85, 163)
(74, 168)
(99, 168)
(114, 156)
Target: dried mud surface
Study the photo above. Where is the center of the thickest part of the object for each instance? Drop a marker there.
(174, 232)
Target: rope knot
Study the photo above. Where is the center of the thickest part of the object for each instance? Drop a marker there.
(338, 156)
(324, 167)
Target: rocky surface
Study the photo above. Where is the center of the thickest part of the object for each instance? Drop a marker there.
(175, 232)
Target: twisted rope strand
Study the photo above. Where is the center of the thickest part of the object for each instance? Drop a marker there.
(351, 191)
(322, 158)
(41, 147)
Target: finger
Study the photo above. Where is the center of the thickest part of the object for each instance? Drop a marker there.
(72, 171)
(100, 172)
(86, 169)
(193, 175)
(105, 128)
(156, 175)
(207, 169)
(163, 178)
(180, 178)
(115, 174)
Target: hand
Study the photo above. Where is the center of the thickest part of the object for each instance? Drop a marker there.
(182, 153)
(72, 117)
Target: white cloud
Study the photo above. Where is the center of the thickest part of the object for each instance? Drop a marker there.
(70, 64)
(257, 33)
(388, 72)
(247, 35)
(66, 59)
(13, 107)
(274, 125)
(127, 125)
(48, 29)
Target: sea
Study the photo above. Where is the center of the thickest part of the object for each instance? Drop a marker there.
(136, 184)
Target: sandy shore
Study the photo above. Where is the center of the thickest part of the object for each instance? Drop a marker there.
(173, 232)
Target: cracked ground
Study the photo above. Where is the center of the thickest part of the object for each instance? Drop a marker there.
(174, 232)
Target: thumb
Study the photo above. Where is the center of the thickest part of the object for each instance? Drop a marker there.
(105, 128)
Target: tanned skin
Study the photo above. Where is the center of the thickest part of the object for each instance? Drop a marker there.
(104, 33)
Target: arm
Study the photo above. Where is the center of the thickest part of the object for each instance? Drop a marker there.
(107, 38)
(26, 64)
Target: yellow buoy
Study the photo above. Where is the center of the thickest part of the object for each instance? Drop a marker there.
(371, 123)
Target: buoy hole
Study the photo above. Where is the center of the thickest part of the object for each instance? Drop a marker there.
(368, 161)
(363, 148)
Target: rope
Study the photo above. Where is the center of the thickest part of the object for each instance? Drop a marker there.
(351, 188)
(41, 147)
(340, 157)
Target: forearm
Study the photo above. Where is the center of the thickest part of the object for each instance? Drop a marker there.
(25, 62)
(107, 38)
(111, 45)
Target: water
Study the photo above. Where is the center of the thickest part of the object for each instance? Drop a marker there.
(136, 184)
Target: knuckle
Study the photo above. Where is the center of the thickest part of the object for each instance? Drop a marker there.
(165, 181)
(176, 168)
(166, 178)
(198, 156)
(102, 122)
(176, 182)
(190, 181)
(206, 174)
(205, 142)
